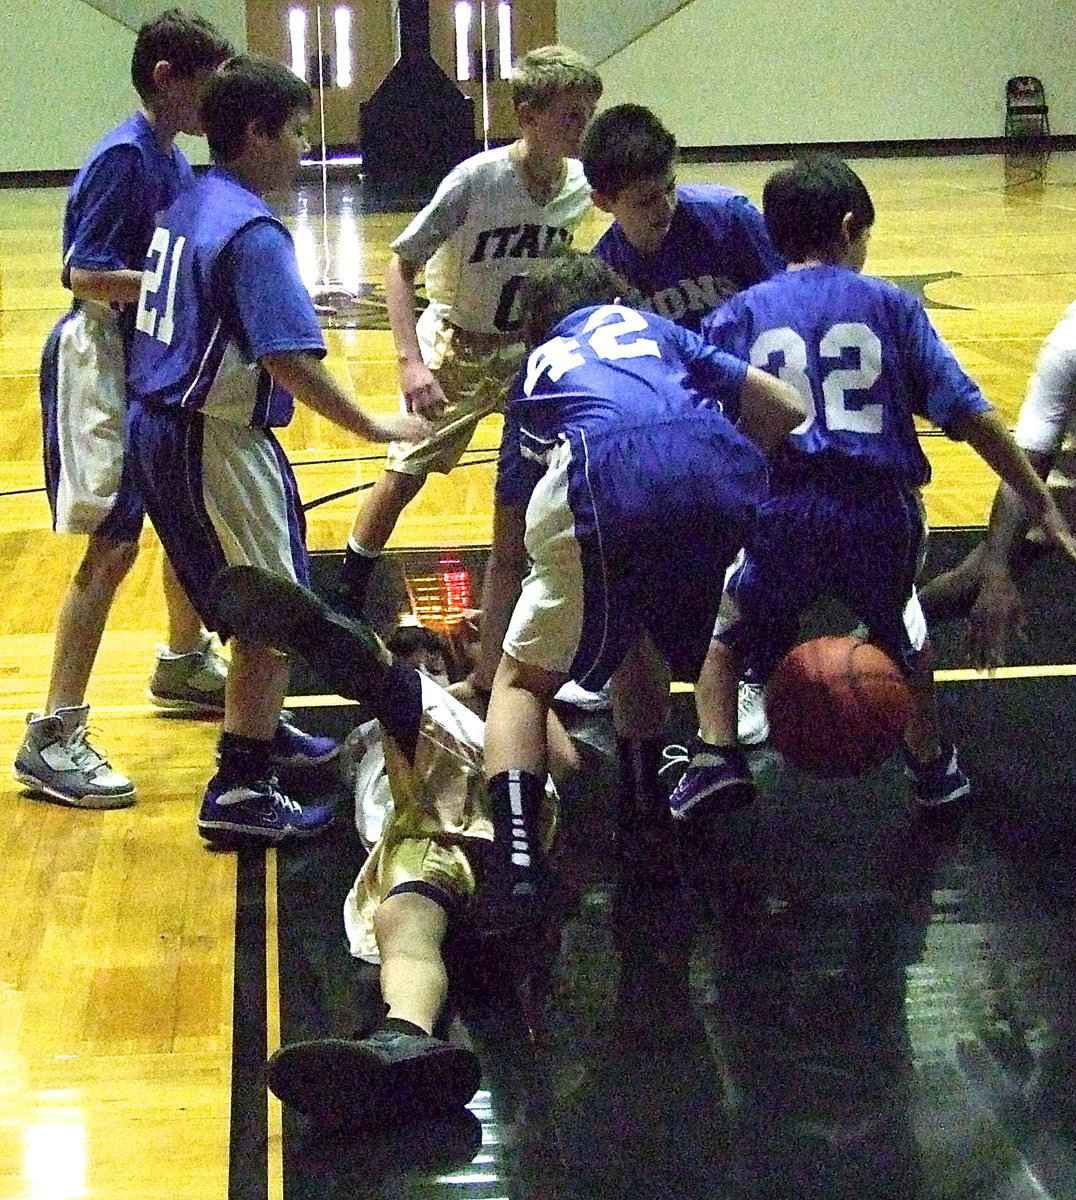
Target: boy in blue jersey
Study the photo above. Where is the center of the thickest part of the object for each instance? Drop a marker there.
(683, 249)
(637, 452)
(226, 339)
(844, 517)
(132, 174)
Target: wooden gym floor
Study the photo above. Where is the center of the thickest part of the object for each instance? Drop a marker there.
(117, 930)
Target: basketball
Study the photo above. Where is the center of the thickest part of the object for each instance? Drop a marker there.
(837, 707)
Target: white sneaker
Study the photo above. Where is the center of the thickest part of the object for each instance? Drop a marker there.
(752, 727)
(572, 693)
(56, 758)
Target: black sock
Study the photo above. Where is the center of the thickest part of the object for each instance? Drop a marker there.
(243, 759)
(641, 798)
(356, 573)
(516, 799)
(399, 1025)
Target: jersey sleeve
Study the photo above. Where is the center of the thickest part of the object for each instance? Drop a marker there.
(112, 204)
(942, 390)
(263, 295)
(1050, 406)
(436, 223)
(718, 375)
(517, 476)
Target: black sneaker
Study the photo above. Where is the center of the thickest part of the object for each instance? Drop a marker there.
(385, 1077)
(263, 607)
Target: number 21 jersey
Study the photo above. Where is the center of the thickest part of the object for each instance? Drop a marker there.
(862, 353)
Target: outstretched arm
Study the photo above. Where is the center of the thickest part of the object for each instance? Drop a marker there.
(769, 410)
(306, 377)
(1021, 499)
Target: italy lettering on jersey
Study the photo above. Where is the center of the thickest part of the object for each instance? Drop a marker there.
(477, 236)
(604, 370)
(114, 202)
(209, 310)
(864, 356)
(716, 245)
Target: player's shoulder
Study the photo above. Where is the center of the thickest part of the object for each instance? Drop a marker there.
(707, 197)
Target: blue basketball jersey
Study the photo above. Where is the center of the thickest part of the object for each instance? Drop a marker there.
(606, 370)
(717, 245)
(117, 195)
(221, 289)
(862, 353)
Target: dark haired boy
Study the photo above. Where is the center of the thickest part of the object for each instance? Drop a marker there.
(226, 340)
(844, 517)
(624, 434)
(134, 172)
(682, 248)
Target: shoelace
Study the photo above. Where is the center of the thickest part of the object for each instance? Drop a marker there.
(673, 756)
(83, 755)
(278, 799)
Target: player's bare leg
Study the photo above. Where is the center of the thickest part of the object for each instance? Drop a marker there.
(186, 633)
(516, 717)
(254, 693)
(516, 758)
(410, 929)
(83, 613)
(373, 526)
(55, 758)
(400, 1071)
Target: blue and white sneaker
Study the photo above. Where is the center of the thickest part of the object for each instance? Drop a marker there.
(257, 811)
(718, 776)
(293, 747)
(938, 782)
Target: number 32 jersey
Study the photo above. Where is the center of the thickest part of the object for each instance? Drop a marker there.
(862, 353)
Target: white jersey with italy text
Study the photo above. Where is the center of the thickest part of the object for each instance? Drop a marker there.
(477, 236)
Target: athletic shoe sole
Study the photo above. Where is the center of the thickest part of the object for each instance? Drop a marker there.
(113, 800)
(207, 708)
(230, 836)
(347, 1083)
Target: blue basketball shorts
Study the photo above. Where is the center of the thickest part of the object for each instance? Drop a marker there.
(219, 494)
(860, 542)
(632, 533)
(90, 488)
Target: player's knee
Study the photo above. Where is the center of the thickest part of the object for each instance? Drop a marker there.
(106, 562)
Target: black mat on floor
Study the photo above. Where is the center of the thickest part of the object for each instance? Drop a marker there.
(843, 1004)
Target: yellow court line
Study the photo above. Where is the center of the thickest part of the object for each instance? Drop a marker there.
(951, 675)
(967, 675)
(272, 1025)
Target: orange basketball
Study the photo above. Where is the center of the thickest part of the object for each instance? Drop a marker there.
(837, 706)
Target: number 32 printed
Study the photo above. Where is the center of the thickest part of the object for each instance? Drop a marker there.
(837, 382)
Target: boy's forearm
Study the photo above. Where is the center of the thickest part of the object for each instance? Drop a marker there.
(106, 287)
(308, 380)
(991, 440)
(400, 302)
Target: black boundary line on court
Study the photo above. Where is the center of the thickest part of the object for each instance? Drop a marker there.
(248, 1136)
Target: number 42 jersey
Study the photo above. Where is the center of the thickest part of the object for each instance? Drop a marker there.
(608, 372)
(862, 353)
